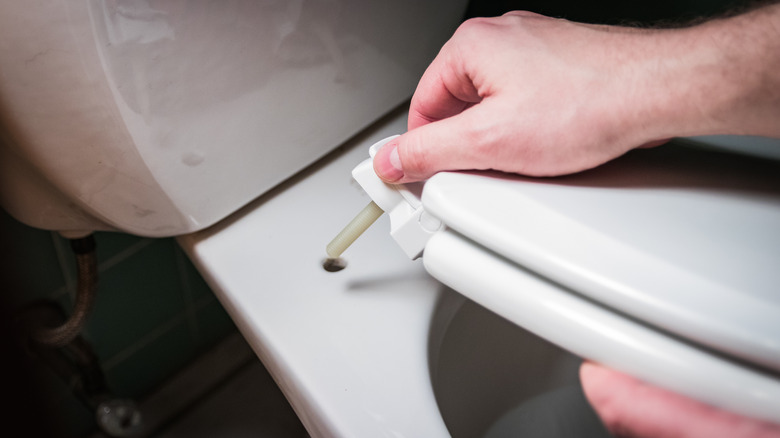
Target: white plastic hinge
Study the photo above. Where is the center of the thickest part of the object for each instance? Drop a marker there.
(410, 225)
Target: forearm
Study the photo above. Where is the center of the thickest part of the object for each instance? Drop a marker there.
(721, 77)
(528, 94)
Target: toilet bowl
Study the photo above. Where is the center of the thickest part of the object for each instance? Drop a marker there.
(382, 348)
(379, 348)
(481, 370)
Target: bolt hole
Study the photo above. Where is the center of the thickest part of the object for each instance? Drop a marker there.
(334, 264)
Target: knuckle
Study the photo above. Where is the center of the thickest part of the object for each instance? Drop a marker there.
(480, 142)
(485, 139)
(517, 15)
(473, 26)
(472, 23)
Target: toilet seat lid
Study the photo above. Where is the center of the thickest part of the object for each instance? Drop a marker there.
(684, 238)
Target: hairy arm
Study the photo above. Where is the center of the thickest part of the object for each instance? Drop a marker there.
(529, 94)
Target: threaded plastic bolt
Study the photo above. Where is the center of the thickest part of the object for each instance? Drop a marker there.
(353, 230)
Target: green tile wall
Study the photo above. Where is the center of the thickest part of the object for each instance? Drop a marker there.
(153, 314)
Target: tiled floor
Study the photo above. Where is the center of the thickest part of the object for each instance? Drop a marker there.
(225, 393)
(248, 405)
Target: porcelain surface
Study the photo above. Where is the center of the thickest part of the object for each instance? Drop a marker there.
(348, 349)
(161, 117)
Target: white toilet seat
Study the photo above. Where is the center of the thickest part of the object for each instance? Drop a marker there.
(595, 332)
(682, 238)
(661, 264)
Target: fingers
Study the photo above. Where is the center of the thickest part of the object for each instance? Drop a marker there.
(434, 138)
(425, 150)
(443, 91)
(497, 97)
(420, 153)
(631, 408)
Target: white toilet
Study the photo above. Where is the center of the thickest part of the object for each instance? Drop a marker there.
(236, 126)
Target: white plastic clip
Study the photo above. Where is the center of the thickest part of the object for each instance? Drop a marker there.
(410, 225)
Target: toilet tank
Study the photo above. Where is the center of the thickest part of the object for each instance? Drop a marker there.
(160, 118)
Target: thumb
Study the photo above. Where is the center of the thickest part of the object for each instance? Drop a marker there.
(420, 153)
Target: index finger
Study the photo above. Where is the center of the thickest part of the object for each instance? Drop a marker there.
(443, 91)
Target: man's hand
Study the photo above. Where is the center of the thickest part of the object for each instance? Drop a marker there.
(528, 94)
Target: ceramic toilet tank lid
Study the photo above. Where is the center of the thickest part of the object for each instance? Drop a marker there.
(681, 237)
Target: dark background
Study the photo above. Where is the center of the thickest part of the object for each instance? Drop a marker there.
(638, 12)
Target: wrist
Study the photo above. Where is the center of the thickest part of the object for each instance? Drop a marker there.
(721, 77)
